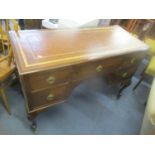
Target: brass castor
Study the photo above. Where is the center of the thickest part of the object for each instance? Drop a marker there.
(33, 123)
(34, 126)
(118, 96)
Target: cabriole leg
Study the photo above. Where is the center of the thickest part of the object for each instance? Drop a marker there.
(33, 125)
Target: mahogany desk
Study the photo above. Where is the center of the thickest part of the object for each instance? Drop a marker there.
(52, 62)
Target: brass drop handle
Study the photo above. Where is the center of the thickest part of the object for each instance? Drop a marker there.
(51, 80)
(124, 74)
(50, 97)
(133, 60)
(99, 69)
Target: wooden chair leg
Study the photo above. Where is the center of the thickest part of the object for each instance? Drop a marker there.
(138, 83)
(3, 47)
(4, 99)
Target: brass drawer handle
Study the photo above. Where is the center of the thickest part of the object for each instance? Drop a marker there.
(51, 80)
(50, 97)
(133, 60)
(124, 74)
(99, 69)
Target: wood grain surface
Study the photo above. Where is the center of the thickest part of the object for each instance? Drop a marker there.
(52, 62)
(43, 49)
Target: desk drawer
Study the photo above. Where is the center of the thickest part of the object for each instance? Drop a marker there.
(49, 96)
(129, 62)
(126, 72)
(100, 67)
(49, 78)
(120, 75)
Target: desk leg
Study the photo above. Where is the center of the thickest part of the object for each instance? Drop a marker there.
(31, 118)
(124, 85)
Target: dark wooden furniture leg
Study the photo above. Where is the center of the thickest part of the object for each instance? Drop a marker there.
(141, 79)
(32, 119)
(125, 85)
(138, 83)
(145, 103)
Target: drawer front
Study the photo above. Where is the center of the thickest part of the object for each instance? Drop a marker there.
(129, 62)
(126, 72)
(47, 79)
(49, 96)
(100, 67)
(119, 75)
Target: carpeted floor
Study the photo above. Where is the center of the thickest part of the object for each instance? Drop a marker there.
(92, 108)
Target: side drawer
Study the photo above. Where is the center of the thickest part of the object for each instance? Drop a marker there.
(129, 62)
(46, 79)
(120, 75)
(49, 96)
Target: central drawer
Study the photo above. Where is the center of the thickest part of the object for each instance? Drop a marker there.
(100, 67)
(47, 79)
(49, 96)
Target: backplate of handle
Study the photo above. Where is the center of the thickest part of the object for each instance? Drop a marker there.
(51, 80)
(133, 60)
(124, 74)
(99, 69)
(50, 97)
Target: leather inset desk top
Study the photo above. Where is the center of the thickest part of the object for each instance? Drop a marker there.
(36, 50)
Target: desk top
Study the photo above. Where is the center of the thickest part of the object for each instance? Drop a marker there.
(36, 50)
